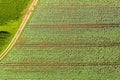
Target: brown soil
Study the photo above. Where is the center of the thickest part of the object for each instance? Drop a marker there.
(75, 26)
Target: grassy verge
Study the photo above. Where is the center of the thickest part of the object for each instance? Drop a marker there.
(10, 23)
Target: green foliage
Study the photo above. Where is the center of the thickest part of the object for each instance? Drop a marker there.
(11, 10)
(4, 35)
(29, 60)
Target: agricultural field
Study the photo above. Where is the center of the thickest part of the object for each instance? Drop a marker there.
(67, 40)
(11, 13)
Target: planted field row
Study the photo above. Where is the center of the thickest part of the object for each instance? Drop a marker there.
(64, 54)
(62, 72)
(81, 2)
(68, 45)
(70, 35)
(75, 26)
(67, 40)
(80, 15)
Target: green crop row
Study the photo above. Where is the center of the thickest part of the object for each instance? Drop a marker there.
(51, 24)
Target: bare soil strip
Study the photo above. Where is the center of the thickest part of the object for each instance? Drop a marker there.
(75, 26)
(79, 6)
(109, 44)
(62, 64)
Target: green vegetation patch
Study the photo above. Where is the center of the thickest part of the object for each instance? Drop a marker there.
(59, 43)
(11, 13)
(4, 35)
(11, 10)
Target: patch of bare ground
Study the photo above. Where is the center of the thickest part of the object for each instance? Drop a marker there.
(52, 66)
(42, 69)
(79, 6)
(60, 64)
(107, 44)
(75, 26)
(21, 40)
